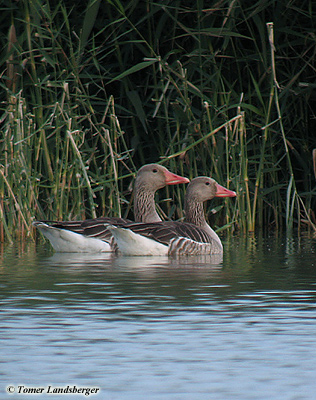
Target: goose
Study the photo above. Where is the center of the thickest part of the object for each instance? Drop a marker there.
(92, 235)
(172, 238)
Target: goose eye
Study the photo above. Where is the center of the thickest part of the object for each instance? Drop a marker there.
(155, 170)
(207, 183)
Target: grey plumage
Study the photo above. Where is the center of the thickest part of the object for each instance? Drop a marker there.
(149, 179)
(194, 236)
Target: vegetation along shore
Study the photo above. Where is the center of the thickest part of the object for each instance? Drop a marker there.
(92, 90)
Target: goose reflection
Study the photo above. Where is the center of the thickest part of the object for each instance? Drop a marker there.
(190, 262)
(142, 262)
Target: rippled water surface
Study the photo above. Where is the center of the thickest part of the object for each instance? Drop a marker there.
(241, 327)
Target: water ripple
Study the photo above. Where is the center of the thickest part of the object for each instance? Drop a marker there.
(240, 328)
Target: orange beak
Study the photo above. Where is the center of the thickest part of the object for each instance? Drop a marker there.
(173, 179)
(221, 191)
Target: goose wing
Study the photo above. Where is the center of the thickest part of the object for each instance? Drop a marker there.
(95, 227)
(166, 231)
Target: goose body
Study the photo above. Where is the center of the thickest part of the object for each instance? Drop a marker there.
(64, 240)
(192, 237)
(92, 235)
(89, 236)
(164, 238)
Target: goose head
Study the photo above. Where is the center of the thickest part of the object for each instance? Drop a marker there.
(155, 176)
(203, 188)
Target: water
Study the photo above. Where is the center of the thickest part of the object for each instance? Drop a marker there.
(243, 327)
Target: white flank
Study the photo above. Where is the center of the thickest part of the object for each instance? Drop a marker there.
(65, 241)
(133, 244)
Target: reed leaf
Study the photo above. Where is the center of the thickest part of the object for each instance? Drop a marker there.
(91, 91)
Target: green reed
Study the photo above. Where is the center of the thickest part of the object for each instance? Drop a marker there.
(91, 92)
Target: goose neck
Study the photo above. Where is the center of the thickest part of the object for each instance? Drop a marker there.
(144, 205)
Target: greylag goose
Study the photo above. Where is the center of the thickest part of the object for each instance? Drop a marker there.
(194, 236)
(92, 235)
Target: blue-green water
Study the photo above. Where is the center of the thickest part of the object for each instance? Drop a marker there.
(243, 327)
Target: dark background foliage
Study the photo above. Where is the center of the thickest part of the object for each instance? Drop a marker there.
(159, 76)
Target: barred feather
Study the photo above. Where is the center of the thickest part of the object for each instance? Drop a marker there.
(91, 227)
(194, 237)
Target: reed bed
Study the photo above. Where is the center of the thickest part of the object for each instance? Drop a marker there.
(90, 92)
